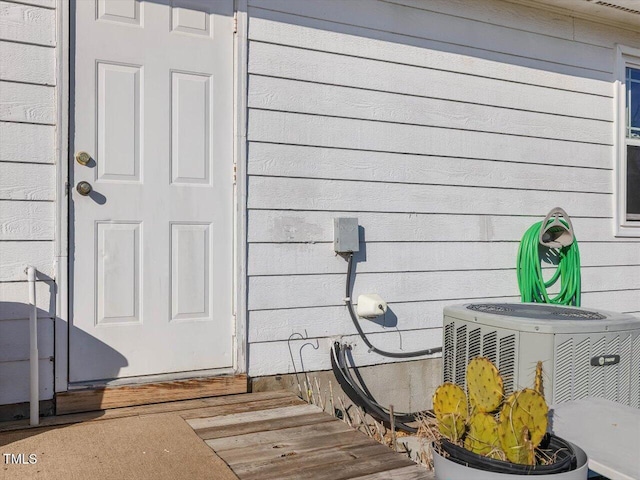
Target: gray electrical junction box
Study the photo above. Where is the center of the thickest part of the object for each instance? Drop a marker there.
(345, 235)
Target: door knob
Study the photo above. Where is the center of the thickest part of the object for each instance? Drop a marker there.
(84, 188)
(83, 158)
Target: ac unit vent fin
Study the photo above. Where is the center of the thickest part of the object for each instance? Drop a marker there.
(507, 362)
(461, 355)
(448, 353)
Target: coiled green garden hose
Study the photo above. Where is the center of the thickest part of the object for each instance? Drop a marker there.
(533, 287)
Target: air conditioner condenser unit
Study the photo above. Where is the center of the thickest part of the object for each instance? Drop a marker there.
(585, 352)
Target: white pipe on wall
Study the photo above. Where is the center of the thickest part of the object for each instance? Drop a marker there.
(34, 409)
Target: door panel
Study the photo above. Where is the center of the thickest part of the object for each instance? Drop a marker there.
(152, 243)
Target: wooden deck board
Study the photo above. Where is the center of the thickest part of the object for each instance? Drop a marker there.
(295, 440)
(263, 425)
(129, 395)
(187, 407)
(240, 441)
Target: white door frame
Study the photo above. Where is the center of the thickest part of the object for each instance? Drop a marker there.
(62, 267)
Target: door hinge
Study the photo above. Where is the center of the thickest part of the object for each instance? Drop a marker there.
(235, 22)
(235, 173)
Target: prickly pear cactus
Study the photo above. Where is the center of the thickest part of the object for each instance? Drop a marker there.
(523, 419)
(537, 385)
(482, 437)
(484, 385)
(450, 407)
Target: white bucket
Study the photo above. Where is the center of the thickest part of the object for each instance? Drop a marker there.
(445, 469)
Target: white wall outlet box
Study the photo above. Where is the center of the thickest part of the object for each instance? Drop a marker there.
(371, 305)
(346, 238)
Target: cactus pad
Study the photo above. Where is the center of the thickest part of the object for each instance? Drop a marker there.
(450, 407)
(484, 384)
(523, 419)
(538, 386)
(482, 437)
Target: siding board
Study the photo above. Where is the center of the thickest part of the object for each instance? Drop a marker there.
(16, 374)
(425, 81)
(319, 290)
(22, 62)
(14, 300)
(281, 28)
(27, 220)
(21, 142)
(15, 256)
(27, 23)
(27, 181)
(314, 194)
(331, 321)
(316, 356)
(300, 129)
(318, 99)
(14, 339)
(281, 160)
(319, 258)
(317, 226)
(446, 28)
(27, 103)
(505, 14)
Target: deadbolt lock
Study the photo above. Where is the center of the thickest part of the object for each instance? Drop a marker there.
(83, 158)
(84, 188)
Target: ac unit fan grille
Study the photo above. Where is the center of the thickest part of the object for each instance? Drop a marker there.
(536, 311)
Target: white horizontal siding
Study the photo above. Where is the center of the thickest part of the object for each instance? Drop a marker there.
(21, 102)
(14, 339)
(447, 129)
(357, 134)
(27, 181)
(296, 291)
(314, 194)
(14, 300)
(22, 62)
(346, 39)
(346, 102)
(310, 259)
(386, 17)
(333, 321)
(335, 163)
(27, 143)
(26, 220)
(27, 23)
(15, 256)
(16, 376)
(27, 189)
(317, 226)
(428, 80)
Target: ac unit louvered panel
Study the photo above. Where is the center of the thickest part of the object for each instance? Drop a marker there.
(507, 362)
(563, 372)
(447, 355)
(474, 344)
(625, 370)
(634, 391)
(461, 355)
(596, 378)
(489, 346)
(581, 365)
(611, 372)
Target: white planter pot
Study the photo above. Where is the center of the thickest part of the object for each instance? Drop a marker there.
(447, 470)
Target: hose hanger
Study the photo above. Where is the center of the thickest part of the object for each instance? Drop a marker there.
(556, 233)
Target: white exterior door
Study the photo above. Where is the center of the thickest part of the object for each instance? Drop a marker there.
(152, 242)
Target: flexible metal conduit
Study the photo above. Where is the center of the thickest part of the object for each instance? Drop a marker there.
(34, 410)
